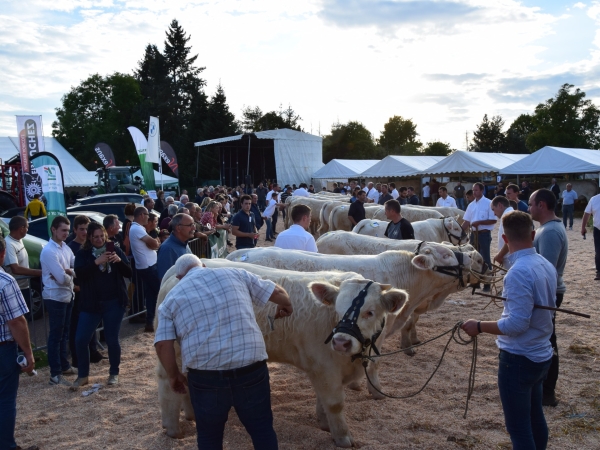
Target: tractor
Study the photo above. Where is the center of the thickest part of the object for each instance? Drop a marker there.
(116, 179)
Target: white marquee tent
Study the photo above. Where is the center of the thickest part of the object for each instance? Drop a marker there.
(342, 169)
(556, 160)
(297, 155)
(401, 166)
(74, 174)
(473, 162)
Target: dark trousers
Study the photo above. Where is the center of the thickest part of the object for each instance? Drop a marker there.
(93, 343)
(111, 315)
(485, 241)
(460, 202)
(250, 394)
(550, 381)
(520, 385)
(58, 337)
(274, 221)
(568, 211)
(9, 384)
(149, 277)
(597, 248)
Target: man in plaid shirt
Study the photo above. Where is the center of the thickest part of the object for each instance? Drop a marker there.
(209, 312)
(13, 333)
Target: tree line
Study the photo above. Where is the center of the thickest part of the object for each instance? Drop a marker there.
(169, 84)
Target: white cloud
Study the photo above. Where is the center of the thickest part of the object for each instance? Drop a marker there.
(442, 63)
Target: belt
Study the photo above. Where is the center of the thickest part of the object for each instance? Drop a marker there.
(6, 342)
(232, 373)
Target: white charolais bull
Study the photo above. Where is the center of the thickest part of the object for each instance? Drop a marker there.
(319, 301)
(338, 217)
(325, 213)
(411, 213)
(315, 205)
(446, 211)
(430, 230)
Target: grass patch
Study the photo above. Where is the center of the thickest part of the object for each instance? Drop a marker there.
(581, 349)
(581, 425)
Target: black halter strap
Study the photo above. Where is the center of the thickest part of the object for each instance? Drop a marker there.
(348, 323)
(450, 235)
(454, 271)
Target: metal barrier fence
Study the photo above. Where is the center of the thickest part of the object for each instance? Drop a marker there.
(37, 319)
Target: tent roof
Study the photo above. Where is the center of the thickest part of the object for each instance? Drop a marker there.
(282, 134)
(401, 166)
(344, 168)
(166, 179)
(556, 160)
(74, 173)
(473, 162)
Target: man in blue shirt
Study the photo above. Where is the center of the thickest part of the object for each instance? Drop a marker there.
(243, 224)
(512, 193)
(568, 206)
(523, 334)
(176, 245)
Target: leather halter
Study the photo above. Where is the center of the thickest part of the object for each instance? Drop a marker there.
(450, 235)
(349, 326)
(453, 271)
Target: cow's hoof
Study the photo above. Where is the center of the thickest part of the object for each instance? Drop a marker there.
(175, 434)
(376, 395)
(344, 442)
(410, 352)
(355, 386)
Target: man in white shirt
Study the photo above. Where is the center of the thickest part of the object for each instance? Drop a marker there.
(426, 194)
(301, 191)
(277, 190)
(445, 199)
(394, 191)
(480, 218)
(17, 259)
(57, 262)
(372, 194)
(501, 206)
(143, 249)
(297, 237)
(593, 209)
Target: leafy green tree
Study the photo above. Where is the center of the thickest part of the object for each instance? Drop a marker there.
(254, 120)
(567, 120)
(517, 133)
(349, 141)
(99, 110)
(489, 138)
(399, 137)
(437, 148)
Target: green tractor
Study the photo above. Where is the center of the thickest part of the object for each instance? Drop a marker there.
(116, 179)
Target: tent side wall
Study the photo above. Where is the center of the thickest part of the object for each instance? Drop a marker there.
(296, 161)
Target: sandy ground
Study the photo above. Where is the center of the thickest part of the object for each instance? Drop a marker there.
(127, 416)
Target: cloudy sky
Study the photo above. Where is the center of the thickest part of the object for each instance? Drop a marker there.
(442, 63)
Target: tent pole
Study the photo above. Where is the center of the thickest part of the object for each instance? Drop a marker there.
(248, 167)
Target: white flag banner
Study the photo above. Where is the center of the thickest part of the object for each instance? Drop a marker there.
(152, 153)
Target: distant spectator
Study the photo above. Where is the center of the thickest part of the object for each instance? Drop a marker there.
(183, 227)
(356, 212)
(512, 193)
(413, 198)
(398, 228)
(385, 195)
(171, 211)
(459, 194)
(444, 199)
(35, 208)
(568, 205)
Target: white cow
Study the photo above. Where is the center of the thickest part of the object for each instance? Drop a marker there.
(315, 205)
(338, 218)
(411, 213)
(430, 230)
(326, 212)
(319, 301)
(446, 211)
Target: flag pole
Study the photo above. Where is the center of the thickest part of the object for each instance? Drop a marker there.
(162, 186)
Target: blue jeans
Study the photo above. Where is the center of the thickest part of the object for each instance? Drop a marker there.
(9, 384)
(151, 282)
(250, 394)
(111, 315)
(485, 242)
(269, 232)
(59, 315)
(568, 211)
(520, 384)
(460, 202)
(597, 248)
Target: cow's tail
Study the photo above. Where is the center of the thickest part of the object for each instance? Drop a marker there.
(323, 223)
(359, 227)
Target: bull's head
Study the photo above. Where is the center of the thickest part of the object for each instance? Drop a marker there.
(456, 234)
(431, 255)
(362, 306)
(478, 267)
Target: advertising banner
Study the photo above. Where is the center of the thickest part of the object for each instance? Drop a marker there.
(218, 245)
(105, 154)
(168, 155)
(48, 169)
(141, 144)
(31, 141)
(153, 141)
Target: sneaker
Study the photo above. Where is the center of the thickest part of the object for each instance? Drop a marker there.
(549, 399)
(112, 380)
(269, 240)
(79, 382)
(59, 379)
(70, 371)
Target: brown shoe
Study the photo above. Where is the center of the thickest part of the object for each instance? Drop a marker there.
(149, 328)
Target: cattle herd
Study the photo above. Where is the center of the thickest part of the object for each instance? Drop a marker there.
(409, 278)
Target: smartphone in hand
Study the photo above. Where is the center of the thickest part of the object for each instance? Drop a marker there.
(110, 246)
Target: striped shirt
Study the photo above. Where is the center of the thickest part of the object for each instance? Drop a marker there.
(210, 313)
(12, 304)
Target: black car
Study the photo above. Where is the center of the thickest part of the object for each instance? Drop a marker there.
(106, 208)
(9, 213)
(111, 198)
(39, 227)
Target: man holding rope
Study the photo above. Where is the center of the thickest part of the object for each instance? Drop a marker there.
(523, 334)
